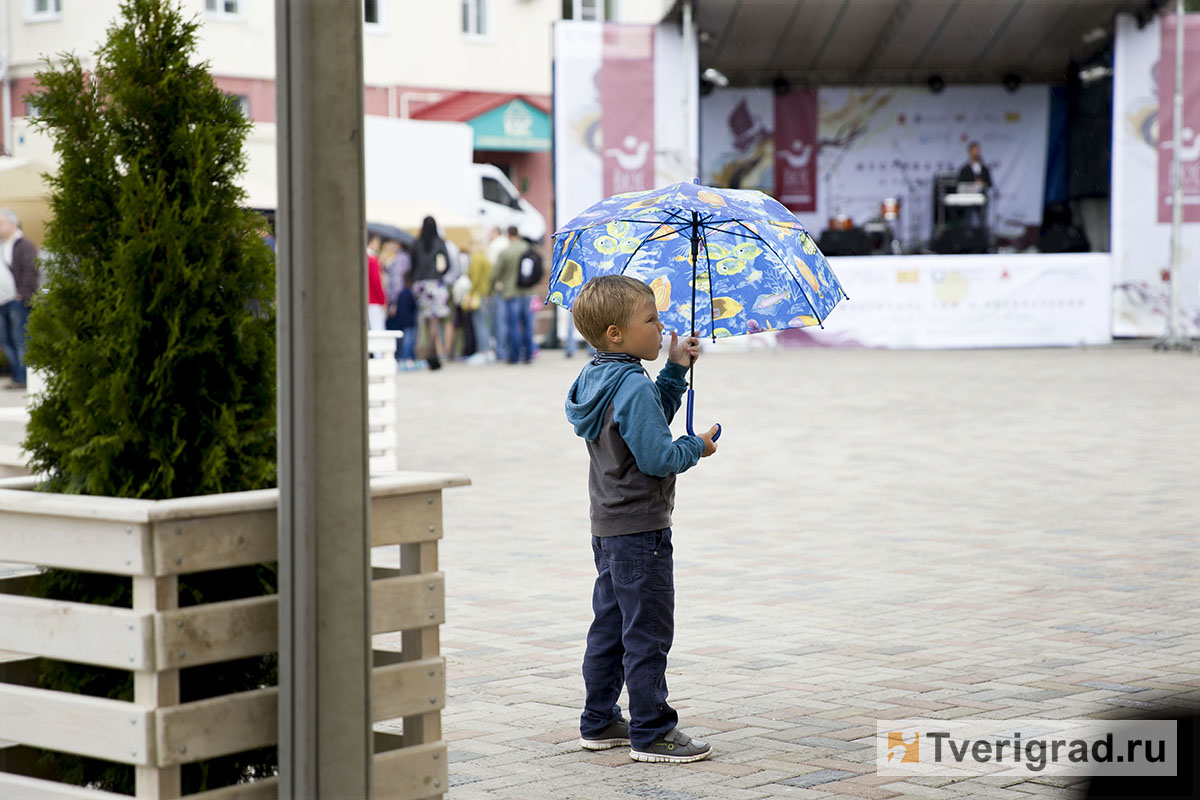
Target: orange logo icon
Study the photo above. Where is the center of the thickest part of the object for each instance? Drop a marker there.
(906, 749)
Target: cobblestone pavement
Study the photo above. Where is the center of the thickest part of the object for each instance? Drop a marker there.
(881, 535)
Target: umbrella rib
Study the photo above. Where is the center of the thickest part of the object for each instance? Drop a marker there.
(562, 265)
(712, 322)
(670, 213)
(639, 247)
(812, 307)
(648, 239)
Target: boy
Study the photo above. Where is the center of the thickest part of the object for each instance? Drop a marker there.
(624, 417)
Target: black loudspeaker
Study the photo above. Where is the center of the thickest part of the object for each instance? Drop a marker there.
(960, 240)
(853, 242)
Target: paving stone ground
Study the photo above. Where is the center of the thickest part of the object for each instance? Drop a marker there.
(997, 534)
(882, 535)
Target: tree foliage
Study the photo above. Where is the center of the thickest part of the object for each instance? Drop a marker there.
(156, 329)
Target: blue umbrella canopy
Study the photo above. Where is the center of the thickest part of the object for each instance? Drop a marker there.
(721, 262)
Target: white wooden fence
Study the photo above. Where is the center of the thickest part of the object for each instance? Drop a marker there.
(152, 543)
(381, 401)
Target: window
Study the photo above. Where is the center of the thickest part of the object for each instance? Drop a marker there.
(39, 10)
(474, 17)
(371, 12)
(590, 10)
(223, 8)
(493, 192)
(243, 104)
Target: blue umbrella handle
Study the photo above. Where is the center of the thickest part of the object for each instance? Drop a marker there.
(691, 403)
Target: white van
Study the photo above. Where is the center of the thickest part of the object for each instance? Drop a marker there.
(501, 205)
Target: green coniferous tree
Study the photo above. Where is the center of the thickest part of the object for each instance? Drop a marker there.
(156, 329)
(156, 332)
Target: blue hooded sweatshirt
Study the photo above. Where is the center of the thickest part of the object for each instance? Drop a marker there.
(624, 416)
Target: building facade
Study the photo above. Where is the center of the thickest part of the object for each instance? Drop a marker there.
(486, 63)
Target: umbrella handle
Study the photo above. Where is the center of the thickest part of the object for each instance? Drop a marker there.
(691, 402)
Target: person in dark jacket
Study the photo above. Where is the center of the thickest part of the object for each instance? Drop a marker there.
(975, 172)
(430, 262)
(18, 284)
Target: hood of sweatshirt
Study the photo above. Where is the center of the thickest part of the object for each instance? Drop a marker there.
(591, 393)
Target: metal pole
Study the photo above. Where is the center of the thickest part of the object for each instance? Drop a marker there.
(1174, 336)
(325, 745)
(692, 72)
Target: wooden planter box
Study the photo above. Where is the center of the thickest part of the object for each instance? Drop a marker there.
(152, 543)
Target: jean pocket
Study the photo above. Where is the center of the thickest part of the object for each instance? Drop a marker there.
(626, 572)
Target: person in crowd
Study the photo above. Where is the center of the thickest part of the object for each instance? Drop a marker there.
(376, 298)
(518, 312)
(975, 172)
(498, 326)
(401, 309)
(455, 276)
(464, 329)
(18, 284)
(480, 273)
(625, 419)
(430, 263)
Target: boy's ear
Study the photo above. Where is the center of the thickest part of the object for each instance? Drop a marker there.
(613, 335)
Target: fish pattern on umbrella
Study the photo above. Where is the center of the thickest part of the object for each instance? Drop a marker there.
(757, 269)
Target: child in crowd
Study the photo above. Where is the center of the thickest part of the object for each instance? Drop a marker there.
(624, 418)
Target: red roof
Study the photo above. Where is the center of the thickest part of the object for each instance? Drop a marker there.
(466, 106)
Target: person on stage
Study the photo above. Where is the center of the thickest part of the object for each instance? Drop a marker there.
(975, 172)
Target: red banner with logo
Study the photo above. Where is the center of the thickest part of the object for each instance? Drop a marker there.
(796, 150)
(1190, 151)
(626, 82)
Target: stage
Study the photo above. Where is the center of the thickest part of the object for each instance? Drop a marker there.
(948, 301)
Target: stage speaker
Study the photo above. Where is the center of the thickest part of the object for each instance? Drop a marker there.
(852, 242)
(960, 241)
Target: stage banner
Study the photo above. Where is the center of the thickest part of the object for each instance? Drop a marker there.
(796, 150)
(1005, 300)
(737, 139)
(1190, 151)
(627, 108)
(1141, 239)
(879, 143)
(620, 103)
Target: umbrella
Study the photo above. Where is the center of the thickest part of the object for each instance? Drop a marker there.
(386, 231)
(721, 262)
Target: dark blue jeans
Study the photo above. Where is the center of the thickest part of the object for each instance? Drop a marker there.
(634, 606)
(520, 328)
(13, 318)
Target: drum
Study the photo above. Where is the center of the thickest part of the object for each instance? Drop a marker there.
(841, 223)
(889, 209)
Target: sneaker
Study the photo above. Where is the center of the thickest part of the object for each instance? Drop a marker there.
(676, 748)
(615, 735)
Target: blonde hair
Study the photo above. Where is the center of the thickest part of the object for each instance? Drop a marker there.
(607, 300)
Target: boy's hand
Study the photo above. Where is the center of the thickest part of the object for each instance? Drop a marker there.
(710, 446)
(683, 353)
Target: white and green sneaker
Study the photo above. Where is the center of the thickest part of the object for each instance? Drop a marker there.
(615, 735)
(674, 748)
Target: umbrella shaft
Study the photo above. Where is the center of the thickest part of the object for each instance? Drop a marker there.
(695, 258)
